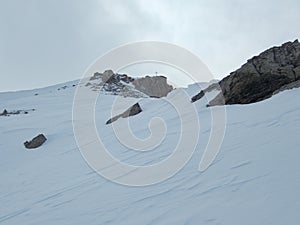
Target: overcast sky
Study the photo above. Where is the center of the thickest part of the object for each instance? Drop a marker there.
(44, 42)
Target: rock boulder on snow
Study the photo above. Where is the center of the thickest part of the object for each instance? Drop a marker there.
(4, 113)
(35, 142)
(15, 112)
(133, 110)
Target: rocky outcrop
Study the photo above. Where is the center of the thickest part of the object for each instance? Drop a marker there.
(35, 142)
(156, 86)
(262, 75)
(121, 84)
(214, 86)
(4, 113)
(109, 77)
(15, 112)
(115, 84)
(133, 110)
(289, 86)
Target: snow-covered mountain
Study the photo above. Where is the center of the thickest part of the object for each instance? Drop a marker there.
(255, 178)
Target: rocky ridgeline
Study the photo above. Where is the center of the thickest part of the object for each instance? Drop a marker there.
(35, 142)
(121, 84)
(274, 70)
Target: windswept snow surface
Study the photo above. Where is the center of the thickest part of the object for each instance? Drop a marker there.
(255, 178)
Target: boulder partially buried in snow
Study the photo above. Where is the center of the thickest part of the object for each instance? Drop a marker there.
(15, 112)
(133, 110)
(4, 113)
(35, 142)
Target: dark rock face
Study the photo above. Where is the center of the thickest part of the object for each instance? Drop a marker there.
(262, 75)
(156, 86)
(198, 96)
(4, 112)
(214, 86)
(292, 85)
(110, 77)
(35, 142)
(133, 110)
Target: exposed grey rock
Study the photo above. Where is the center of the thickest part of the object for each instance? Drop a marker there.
(289, 86)
(297, 72)
(214, 86)
(15, 112)
(35, 142)
(133, 110)
(108, 76)
(262, 75)
(218, 100)
(156, 86)
(121, 84)
(4, 112)
(114, 83)
(198, 96)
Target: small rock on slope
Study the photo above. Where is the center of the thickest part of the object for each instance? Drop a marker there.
(35, 142)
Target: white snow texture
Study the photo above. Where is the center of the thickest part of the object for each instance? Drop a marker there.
(254, 180)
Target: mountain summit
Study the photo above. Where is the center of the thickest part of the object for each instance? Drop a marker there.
(124, 85)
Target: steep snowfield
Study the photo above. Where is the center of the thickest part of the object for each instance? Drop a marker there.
(255, 178)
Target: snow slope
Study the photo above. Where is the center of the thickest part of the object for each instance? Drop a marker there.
(255, 178)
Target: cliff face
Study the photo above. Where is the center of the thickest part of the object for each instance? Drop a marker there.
(261, 76)
(153, 86)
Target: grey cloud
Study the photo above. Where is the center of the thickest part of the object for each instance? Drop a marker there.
(44, 42)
